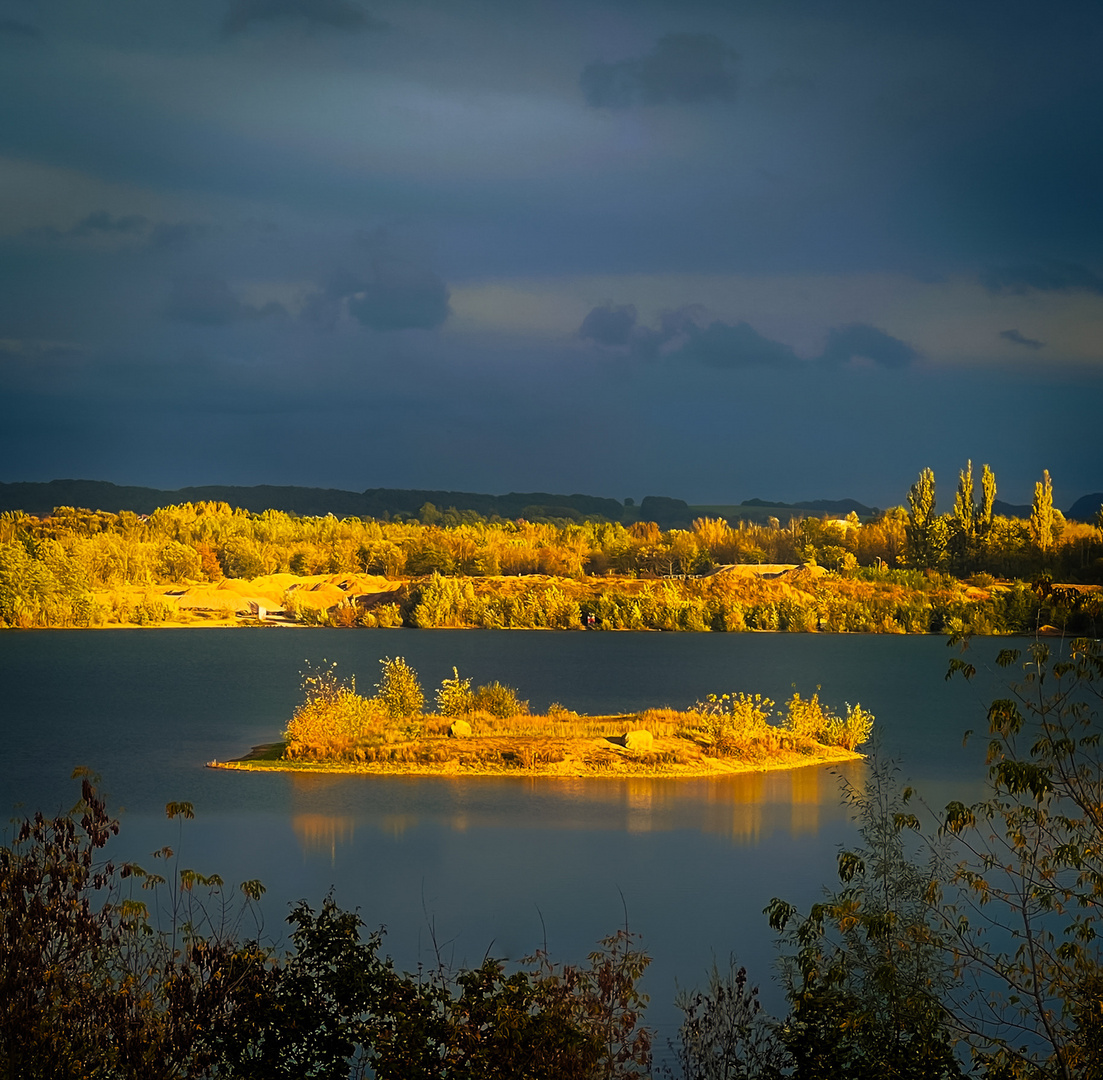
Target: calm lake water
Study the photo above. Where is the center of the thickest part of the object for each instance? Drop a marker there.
(482, 865)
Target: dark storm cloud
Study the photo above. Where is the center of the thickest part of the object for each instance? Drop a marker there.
(159, 235)
(397, 291)
(16, 28)
(174, 235)
(1048, 276)
(682, 69)
(401, 297)
(686, 334)
(921, 139)
(340, 14)
(727, 345)
(29, 355)
(393, 296)
(209, 301)
(609, 324)
(1019, 339)
(845, 343)
(98, 223)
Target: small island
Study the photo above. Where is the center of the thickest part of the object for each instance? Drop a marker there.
(488, 731)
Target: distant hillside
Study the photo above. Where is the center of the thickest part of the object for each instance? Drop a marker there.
(1014, 510)
(667, 513)
(1086, 508)
(41, 498)
(761, 509)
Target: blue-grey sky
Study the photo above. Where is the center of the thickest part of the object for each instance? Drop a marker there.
(716, 250)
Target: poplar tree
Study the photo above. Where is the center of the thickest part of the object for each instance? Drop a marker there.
(925, 539)
(987, 501)
(964, 510)
(964, 519)
(1041, 514)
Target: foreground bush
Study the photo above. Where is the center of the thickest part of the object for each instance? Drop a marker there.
(92, 988)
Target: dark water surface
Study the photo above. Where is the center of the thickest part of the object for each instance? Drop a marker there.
(482, 864)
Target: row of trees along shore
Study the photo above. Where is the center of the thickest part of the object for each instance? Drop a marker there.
(962, 942)
(55, 570)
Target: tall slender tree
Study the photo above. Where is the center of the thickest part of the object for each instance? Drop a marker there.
(1041, 514)
(963, 521)
(987, 501)
(921, 521)
(964, 509)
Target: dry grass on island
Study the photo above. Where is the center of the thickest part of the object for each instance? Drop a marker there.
(488, 731)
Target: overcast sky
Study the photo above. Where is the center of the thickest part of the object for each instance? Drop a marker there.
(785, 249)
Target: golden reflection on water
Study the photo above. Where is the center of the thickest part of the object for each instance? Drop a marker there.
(321, 833)
(744, 808)
(806, 798)
(395, 825)
(640, 798)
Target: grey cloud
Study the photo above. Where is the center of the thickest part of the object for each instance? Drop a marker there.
(1046, 276)
(399, 290)
(1019, 339)
(342, 283)
(682, 69)
(176, 234)
(323, 307)
(399, 297)
(160, 235)
(209, 301)
(100, 221)
(16, 28)
(684, 334)
(339, 14)
(724, 345)
(394, 296)
(683, 320)
(609, 324)
(844, 343)
(33, 352)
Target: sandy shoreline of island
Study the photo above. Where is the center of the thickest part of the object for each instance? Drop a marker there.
(588, 758)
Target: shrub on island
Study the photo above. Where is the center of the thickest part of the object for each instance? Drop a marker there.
(334, 723)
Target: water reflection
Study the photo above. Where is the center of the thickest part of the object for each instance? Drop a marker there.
(323, 832)
(744, 810)
(489, 860)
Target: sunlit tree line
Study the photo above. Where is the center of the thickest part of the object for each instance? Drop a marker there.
(49, 567)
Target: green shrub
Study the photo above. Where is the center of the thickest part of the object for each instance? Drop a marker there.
(388, 615)
(498, 700)
(152, 610)
(732, 722)
(455, 696)
(239, 559)
(853, 731)
(807, 718)
(399, 688)
(333, 717)
(810, 719)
